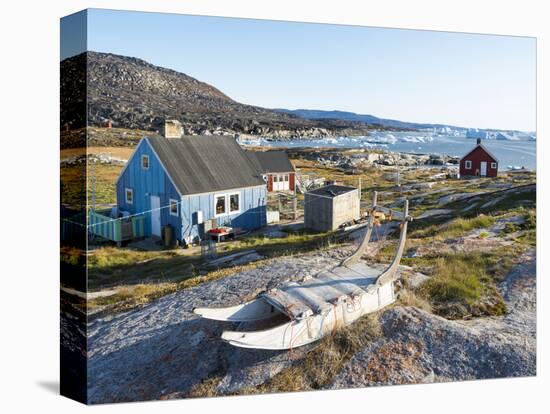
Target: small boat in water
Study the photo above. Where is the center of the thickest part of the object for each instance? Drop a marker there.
(317, 305)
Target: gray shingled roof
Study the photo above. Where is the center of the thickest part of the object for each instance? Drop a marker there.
(271, 161)
(205, 163)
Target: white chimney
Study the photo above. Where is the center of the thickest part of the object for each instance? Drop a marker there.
(172, 129)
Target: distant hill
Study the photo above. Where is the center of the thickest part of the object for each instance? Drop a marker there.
(352, 116)
(135, 94)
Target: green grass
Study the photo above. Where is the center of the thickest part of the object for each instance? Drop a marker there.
(77, 184)
(455, 228)
(113, 266)
(262, 241)
(527, 229)
(72, 256)
(464, 285)
(295, 242)
(455, 279)
(104, 258)
(129, 296)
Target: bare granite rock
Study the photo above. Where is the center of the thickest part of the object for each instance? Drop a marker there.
(163, 349)
(420, 347)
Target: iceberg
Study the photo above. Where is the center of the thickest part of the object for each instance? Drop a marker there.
(505, 136)
(477, 133)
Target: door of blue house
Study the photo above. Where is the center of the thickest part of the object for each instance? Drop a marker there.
(155, 216)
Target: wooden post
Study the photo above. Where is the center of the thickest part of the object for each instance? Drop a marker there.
(359, 192)
(295, 207)
(398, 178)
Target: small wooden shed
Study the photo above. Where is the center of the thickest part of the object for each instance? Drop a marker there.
(328, 207)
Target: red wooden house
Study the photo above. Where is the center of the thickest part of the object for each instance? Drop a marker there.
(276, 169)
(479, 162)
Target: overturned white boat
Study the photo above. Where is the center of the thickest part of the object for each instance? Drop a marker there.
(320, 304)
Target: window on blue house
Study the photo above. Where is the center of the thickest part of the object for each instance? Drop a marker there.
(220, 205)
(145, 162)
(234, 203)
(129, 195)
(174, 207)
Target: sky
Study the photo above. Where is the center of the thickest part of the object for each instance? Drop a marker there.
(468, 80)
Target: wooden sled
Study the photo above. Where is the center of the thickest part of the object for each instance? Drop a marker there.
(320, 304)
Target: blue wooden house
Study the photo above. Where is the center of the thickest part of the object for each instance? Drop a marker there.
(189, 181)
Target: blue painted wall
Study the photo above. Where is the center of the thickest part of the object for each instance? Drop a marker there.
(155, 181)
(252, 214)
(146, 183)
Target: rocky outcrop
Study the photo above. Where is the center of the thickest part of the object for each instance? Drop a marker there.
(421, 347)
(362, 158)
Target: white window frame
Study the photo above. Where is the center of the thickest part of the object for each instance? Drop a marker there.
(216, 196)
(144, 156)
(468, 164)
(176, 202)
(131, 191)
(229, 202)
(494, 165)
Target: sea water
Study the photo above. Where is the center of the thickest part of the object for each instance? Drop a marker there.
(508, 153)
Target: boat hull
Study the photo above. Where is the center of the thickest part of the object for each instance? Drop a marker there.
(255, 310)
(302, 332)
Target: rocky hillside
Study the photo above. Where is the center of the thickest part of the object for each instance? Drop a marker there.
(135, 94)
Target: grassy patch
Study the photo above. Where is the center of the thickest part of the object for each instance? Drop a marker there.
(409, 298)
(130, 296)
(72, 256)
(527, 229)
(454, 280)
(455, 228)
(529, 226)
(262, 241)
(112, 266)
(483, 235)
(529, 238)
(295, 242)
(206, 388)
(109, 257)
(463, 285)
(77, 184)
